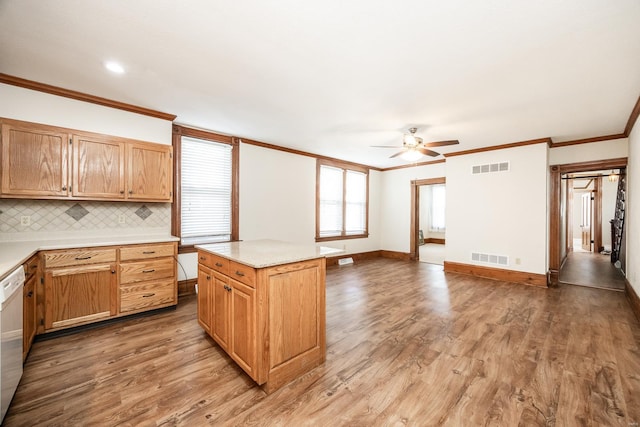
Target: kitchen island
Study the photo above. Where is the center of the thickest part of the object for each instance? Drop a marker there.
(263, 302)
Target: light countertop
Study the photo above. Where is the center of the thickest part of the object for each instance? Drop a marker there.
(267, 253)
(15, 253)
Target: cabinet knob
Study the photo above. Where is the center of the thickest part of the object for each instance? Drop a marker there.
(130, 191)
(121, 191)
(64, 188)
(30, 294)
(208, 277)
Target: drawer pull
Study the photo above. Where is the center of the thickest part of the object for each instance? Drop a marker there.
(149, 271)
(203, 258)
(148, 252)
(148, 295)
(30, 294)
(240, 273)
(218, 264)
(82, 258)
(33, 266)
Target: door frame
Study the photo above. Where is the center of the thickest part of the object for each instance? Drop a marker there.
(555, 203)
(414, 253)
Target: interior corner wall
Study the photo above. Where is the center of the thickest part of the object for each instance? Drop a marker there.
(395, 211)
(499, 213)
(632, 214)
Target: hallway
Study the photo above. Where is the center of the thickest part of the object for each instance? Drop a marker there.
(592, 270)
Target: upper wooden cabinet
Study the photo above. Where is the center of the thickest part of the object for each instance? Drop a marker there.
(98, 167)
(34, 161)
(46, 162)
(150, 170)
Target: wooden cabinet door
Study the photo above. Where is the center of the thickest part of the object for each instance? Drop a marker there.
(29, 315)
(34, 161)
(150, 172)
(220, 314)
(98, 168)
(81, 294)
(243, 332)
(205, 279)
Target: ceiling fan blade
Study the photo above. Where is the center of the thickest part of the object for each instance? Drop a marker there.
(386, 146)
(427, 152)
(441, 143)
(397, 154)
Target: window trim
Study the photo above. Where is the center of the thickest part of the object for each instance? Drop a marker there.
(344, 166)
(176, 213)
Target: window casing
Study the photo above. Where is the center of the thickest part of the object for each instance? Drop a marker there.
(206, 188)
(342, 201)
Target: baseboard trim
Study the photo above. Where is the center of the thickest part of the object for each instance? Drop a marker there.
(356, 257)
(361, 256)
(403, 256)
(522, 277)
(187, 287)
(432, 240)
(634, 300)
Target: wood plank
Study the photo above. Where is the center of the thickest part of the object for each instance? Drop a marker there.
(406, 345)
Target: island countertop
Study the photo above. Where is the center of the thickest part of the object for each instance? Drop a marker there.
(267, 253)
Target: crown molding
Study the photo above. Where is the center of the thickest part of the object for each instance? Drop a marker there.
(80, 96)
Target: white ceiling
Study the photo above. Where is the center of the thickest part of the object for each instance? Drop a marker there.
(334, 77)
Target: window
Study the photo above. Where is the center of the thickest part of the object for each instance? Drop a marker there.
(438, 203)
(206, 187)
(341, 201)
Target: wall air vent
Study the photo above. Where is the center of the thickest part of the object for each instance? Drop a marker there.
(491, 167)
(490, 258)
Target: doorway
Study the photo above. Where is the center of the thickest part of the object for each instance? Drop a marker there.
(582, 205)
(428, 198)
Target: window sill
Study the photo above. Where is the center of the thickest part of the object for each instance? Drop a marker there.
(331, 238)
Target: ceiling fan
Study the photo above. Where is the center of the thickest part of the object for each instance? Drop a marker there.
(413, 147)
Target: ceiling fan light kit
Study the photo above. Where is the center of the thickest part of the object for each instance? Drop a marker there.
(413, 147)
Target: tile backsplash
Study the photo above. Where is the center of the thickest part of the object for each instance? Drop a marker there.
(29, 216)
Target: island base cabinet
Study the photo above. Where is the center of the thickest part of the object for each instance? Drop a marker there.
(204, 300)
(243, 337)
(272, 324)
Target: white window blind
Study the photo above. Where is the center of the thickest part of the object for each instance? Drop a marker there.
(438, 203)
(206, 189)
(342, 202)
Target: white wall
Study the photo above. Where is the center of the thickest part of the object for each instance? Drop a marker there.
(589, 152)
(501, 213)
(395, 210)
(39, 107)
(632, 214)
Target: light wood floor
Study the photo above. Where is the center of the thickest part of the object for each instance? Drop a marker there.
(407, 345)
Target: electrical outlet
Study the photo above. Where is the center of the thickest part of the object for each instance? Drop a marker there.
(25, 220)
(122, 219)
(517, 261)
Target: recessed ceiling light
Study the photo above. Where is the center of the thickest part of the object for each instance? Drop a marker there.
(114, 67)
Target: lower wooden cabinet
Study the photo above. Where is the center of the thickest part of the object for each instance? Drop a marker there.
(28, 313)
(78, 295)
(92, 284)
(271, 321)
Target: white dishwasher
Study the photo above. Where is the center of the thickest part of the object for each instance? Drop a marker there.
(11, 289)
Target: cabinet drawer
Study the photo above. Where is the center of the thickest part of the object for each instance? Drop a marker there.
(242, 273)
(78, 257)
(140, 271)
(215, 262)
(147, 251)
(147, 295)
